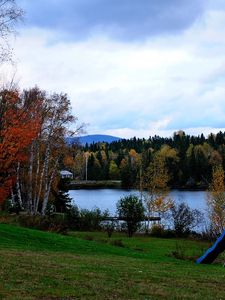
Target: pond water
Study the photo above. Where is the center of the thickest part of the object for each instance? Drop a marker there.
(107, 198)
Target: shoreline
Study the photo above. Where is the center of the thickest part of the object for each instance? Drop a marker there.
(116, 184)
(95, 184)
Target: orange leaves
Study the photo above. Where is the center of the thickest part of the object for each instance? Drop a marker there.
(19, 125)
(161, 204)
(68, 161)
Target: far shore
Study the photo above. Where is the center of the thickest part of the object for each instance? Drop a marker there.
(117, 184)
(95, 184)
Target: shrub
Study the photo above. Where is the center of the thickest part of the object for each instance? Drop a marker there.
(109, 227)
(91, 219)
(53, 223)
(185, 219)
(160, 231)
(131, 210)
(85, 220)
(157, 230)
(179, 251)
(37, 222)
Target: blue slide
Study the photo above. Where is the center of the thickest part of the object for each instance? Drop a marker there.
(212, 253)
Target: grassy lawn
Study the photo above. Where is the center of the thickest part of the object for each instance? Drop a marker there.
(41, 265)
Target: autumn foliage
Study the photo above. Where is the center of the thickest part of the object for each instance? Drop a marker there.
(216, 200)
(19, 125)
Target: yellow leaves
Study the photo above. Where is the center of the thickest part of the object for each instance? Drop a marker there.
(123, 163)
(68, 161)
(216, 200)
(104, 156)
(215, 158)
(113, 171)
(157, 176)
(135, 158)
(133, 153)
(156, 181)
(217, 184)
(161, 204)
(166, 152)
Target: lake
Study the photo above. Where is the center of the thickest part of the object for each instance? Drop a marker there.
(107, 198)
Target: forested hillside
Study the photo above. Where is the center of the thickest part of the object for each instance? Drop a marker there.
(188, 160)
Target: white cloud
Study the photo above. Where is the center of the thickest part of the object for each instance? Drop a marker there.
(146, 133)
(155, 87)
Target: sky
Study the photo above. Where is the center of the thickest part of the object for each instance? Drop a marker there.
(130, 67)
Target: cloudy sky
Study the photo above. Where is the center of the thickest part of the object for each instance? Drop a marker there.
(130, 67)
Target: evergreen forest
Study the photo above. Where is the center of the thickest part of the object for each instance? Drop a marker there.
(189, 160)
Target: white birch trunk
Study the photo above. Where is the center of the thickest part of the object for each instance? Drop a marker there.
(18, 190)
(48, 188)
(12, 196)
(44, 172)
(36, 201)
(30, 177)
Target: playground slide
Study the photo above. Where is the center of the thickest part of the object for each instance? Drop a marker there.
(212, 253)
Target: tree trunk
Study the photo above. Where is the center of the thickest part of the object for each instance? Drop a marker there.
(44, 172)
(48, 188)
(18, 190)
(36, 199)
(30, 177)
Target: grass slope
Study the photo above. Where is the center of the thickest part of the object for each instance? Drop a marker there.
(40, 265)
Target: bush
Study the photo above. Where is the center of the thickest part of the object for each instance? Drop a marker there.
(91, 219)
(131, 210)
(157, 230)
(109, 227)
(179, 251)
(160, 231)
(55, 223)
(185, 219)
(85, 220)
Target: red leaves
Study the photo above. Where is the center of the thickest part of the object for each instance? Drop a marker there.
(19, 125)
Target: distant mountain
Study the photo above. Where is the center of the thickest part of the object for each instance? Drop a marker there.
(93, 138)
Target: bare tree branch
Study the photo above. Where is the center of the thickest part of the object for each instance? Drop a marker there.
(10, 15)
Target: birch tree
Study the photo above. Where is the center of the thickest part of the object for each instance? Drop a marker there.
(156, 184)
(46, 150)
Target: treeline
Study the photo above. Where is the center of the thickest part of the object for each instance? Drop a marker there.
(189, 160)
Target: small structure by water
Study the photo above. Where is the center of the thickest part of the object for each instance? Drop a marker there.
(66, 174)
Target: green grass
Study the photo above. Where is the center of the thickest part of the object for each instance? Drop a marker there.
(41, 265)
